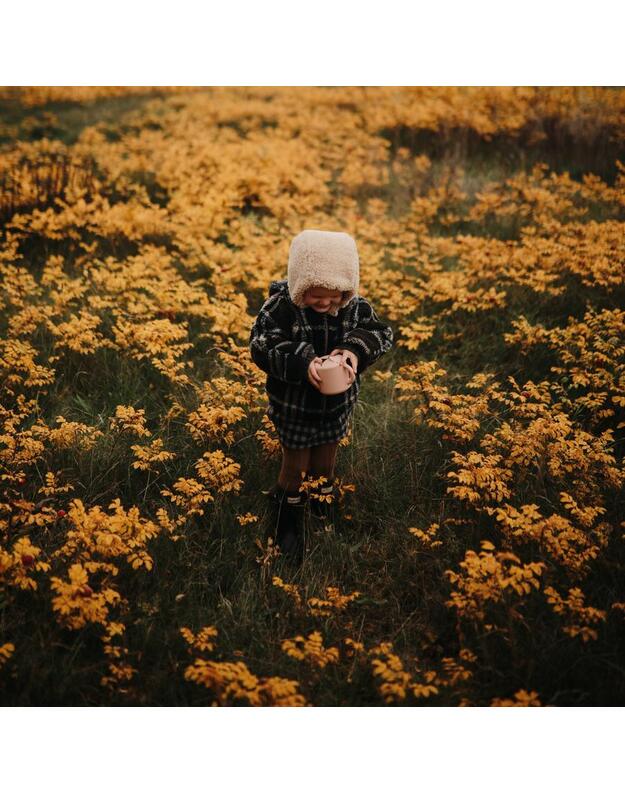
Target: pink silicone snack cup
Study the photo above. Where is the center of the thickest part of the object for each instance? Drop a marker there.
(336, 376)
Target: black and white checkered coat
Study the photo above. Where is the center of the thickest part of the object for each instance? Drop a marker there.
(285, 338)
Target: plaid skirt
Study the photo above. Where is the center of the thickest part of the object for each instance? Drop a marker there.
(298, 434)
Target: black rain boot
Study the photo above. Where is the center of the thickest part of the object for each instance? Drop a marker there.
(321, 507)
(271, 492)
(288, 515)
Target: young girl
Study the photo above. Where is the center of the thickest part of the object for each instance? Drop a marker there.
(314, 312)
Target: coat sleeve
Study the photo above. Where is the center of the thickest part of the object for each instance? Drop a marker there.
(370, 339)
(272, 348)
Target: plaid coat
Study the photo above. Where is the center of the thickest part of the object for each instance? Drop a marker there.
(285, 338)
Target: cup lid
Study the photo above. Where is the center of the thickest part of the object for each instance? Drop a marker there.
(330, 361)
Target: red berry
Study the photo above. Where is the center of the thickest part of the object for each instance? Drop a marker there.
(27, 559)
(21, 481)
(60, 513)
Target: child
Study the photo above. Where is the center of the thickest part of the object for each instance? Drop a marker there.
(314, 312)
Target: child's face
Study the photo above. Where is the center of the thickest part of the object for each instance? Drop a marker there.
(322, 299)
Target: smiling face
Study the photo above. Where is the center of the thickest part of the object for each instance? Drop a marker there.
(322, 299)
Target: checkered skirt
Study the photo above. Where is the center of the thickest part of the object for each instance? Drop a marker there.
(300, 434)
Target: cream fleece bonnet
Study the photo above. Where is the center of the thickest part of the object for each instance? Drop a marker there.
(323, 259)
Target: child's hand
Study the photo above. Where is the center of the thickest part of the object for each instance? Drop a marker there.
(313, 376)
(347, 356)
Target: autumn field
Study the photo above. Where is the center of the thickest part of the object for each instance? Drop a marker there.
(478, 552)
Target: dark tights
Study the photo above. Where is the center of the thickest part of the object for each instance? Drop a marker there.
(316, 461)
